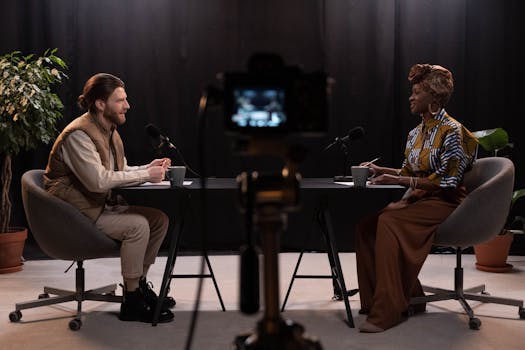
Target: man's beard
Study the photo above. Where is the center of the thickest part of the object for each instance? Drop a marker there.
(113, 117)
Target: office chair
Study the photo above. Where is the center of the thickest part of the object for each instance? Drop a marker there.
(63, 232)
(477, 219)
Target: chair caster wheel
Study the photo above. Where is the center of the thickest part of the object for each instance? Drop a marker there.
(75, 324)
(15, 316)
(43, 296)
(474, 323)
(522, 313)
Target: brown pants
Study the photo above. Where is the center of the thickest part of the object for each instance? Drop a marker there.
(141, 231)
(391, 247)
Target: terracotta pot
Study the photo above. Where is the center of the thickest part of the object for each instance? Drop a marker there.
(491, 256)
(11, 248)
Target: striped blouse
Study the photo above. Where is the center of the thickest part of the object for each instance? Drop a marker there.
(441, 149)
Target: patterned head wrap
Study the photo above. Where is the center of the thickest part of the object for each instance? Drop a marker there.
(435, 79)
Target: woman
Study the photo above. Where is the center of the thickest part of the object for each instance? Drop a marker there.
(392, 245)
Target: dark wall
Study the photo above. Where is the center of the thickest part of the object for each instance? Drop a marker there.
(168, 51)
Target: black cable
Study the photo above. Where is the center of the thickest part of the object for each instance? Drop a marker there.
(203, 104)
(186, 164)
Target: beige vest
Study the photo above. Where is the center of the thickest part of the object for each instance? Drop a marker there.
(62, 182)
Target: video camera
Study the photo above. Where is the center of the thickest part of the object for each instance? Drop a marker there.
(272, 99)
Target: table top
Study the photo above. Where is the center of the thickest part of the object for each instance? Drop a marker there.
(214, 183)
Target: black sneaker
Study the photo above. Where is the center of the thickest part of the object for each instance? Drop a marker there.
(151, 297)
(135, 308)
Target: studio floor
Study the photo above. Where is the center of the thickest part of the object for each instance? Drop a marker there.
(443, 326)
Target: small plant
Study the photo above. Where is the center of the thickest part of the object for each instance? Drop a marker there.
(29, 110)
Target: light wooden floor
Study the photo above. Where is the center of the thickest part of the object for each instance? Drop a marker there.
(443, 326)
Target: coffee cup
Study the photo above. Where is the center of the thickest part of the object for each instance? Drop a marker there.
(360, 175)
(176, 175)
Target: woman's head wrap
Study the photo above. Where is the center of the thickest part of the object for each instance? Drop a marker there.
(435, 79)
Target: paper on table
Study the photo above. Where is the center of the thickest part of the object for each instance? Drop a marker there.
(163, 184)
(368, 185)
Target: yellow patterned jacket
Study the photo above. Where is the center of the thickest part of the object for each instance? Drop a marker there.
(441, 149)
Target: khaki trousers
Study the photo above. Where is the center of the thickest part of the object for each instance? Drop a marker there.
(141, 231)
(391, 247)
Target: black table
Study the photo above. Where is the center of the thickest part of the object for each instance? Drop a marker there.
(322, 188)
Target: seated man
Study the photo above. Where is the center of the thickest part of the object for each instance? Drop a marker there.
(85, 163)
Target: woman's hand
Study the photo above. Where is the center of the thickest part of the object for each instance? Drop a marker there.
(385, 179)
(373, 170)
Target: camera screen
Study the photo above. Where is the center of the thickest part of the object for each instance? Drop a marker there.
(258, 107)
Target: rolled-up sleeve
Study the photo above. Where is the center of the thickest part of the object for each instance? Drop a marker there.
(82, 157)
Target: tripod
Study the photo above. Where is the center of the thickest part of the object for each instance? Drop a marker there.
(273, 196)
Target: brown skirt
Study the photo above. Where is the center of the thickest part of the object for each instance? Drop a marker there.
(391, 247)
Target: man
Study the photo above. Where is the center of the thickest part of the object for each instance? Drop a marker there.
(85, 163)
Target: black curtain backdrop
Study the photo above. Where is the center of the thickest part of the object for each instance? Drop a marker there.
(168, 51)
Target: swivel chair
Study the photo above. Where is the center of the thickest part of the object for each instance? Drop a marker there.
(63, 232)
(477, 219)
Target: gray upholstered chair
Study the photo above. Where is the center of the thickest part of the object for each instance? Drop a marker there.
(62, 232)
(477, 219)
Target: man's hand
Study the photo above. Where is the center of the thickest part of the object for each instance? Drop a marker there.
(156, 173)
(162, 162)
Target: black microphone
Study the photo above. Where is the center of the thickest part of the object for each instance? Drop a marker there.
(155, 134)
(354, 134)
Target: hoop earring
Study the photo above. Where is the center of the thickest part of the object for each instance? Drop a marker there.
(431, 111)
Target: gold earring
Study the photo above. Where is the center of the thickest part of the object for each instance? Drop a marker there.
(431, 111)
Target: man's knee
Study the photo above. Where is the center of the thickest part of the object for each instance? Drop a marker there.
(138, 229)
(160, 221)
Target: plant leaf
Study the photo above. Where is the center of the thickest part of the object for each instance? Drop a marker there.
(492, 140)
(517, 195)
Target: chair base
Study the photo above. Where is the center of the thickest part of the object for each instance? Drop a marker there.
(476, 293)
(105, 293)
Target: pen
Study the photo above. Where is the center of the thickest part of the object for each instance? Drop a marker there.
(372, 161)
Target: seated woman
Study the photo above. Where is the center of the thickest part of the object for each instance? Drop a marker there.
(392, 245)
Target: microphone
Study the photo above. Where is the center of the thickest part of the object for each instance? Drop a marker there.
(155, 134)
(354, 134)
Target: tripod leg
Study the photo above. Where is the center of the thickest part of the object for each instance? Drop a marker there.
(333, 256)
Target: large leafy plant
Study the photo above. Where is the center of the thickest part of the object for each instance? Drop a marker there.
(29, 110)
(494, 141)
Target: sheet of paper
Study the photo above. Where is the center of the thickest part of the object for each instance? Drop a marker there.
(351, 184)
(163, 184)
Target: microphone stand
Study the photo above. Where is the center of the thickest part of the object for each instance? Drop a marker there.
(346, 161)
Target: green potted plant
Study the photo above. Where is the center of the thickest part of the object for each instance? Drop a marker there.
(29, 110)
(491, 256)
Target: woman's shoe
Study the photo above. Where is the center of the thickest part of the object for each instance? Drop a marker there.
(367, 327)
